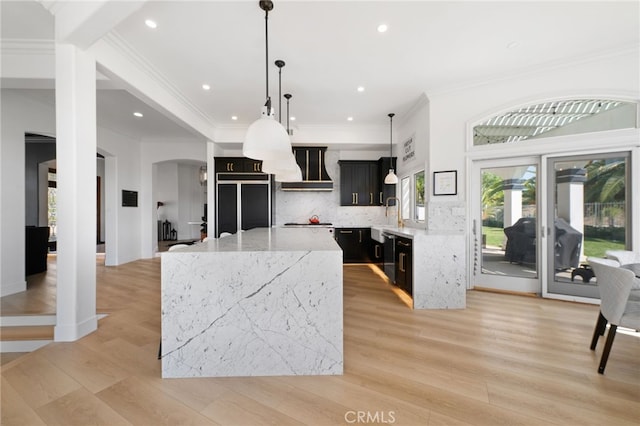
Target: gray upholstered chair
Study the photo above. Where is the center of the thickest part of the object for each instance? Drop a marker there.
(624, 257)
(614, 284)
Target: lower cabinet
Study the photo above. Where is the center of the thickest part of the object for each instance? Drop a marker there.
(404, 264)
(355, 244)
(376, 254)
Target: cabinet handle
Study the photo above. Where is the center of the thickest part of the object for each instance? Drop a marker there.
(371, 198)
(346, 232)
(401, 259)
(381, 201)
(353, 198)
(402, 243)
(360, 237)
(377, 251)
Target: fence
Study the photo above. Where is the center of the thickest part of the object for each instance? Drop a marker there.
(601, 215)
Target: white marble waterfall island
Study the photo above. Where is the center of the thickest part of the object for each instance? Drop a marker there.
(264, 302)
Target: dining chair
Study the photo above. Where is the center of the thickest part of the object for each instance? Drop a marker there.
(614, 284)
(625, 257)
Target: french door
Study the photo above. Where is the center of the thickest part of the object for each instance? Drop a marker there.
(588, 212)
(505, 248)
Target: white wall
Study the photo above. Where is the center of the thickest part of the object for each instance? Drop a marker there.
(122, 224)
(19, 114)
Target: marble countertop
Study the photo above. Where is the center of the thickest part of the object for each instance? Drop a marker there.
(413, 232)
(268, 239)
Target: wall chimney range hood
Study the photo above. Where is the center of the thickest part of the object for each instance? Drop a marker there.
(314, 174)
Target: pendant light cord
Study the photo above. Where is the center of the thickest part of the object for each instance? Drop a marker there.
(391, 139)
(266, 67)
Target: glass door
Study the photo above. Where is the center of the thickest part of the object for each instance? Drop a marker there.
(587, 214)
(505, 248)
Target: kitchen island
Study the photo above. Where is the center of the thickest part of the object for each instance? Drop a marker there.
(438, 268)
(264, 302)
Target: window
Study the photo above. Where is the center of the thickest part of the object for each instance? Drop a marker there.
(405, 191)
(418, 180)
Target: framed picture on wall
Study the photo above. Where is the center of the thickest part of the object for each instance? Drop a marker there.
(445, 182)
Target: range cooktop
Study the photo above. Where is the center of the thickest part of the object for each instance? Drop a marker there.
(308, 224)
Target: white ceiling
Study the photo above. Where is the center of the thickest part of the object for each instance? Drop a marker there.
(331, 48)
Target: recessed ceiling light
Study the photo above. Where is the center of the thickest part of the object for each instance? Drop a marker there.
(234, 117)
(382, 28)
(138, 114)
(206, 87)
(360, 89)
(349, 118)
(151, 24)
(292, 118)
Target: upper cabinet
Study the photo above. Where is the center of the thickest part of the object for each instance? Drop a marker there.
(362, 183)
(237, 165)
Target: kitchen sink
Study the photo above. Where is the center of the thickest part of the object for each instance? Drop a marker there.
(377, 234)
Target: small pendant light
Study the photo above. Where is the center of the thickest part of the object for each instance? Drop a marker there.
(391, 178)
(296, 174)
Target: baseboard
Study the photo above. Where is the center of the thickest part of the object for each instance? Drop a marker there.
(22, 345)
(27, 320)
(73, 332)
(8, 289)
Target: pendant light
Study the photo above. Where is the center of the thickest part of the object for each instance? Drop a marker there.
(296, 174)
(391, 178)
(285, 168)
(266, 139)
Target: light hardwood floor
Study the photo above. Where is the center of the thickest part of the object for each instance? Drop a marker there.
(505, 360)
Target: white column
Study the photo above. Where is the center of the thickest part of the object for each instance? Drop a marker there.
(512, 200)
(570, 187)
(76, 201)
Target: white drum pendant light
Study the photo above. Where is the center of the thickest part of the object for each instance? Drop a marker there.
(266, 139)
(391, 178)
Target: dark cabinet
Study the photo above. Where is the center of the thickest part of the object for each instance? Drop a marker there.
(237, 165)
(250, 211)
(362, 182)
(376, 254)
(355, 244)
(359, 183)
(386, 191)
(404, 264)
(244, 196)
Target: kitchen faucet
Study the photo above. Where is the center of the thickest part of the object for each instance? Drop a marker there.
(386, 210)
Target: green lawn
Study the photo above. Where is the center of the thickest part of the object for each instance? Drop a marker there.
(594, 247)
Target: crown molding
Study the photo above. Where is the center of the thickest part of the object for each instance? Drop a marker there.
(119, 44)
(629, 49)
(27, 47)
